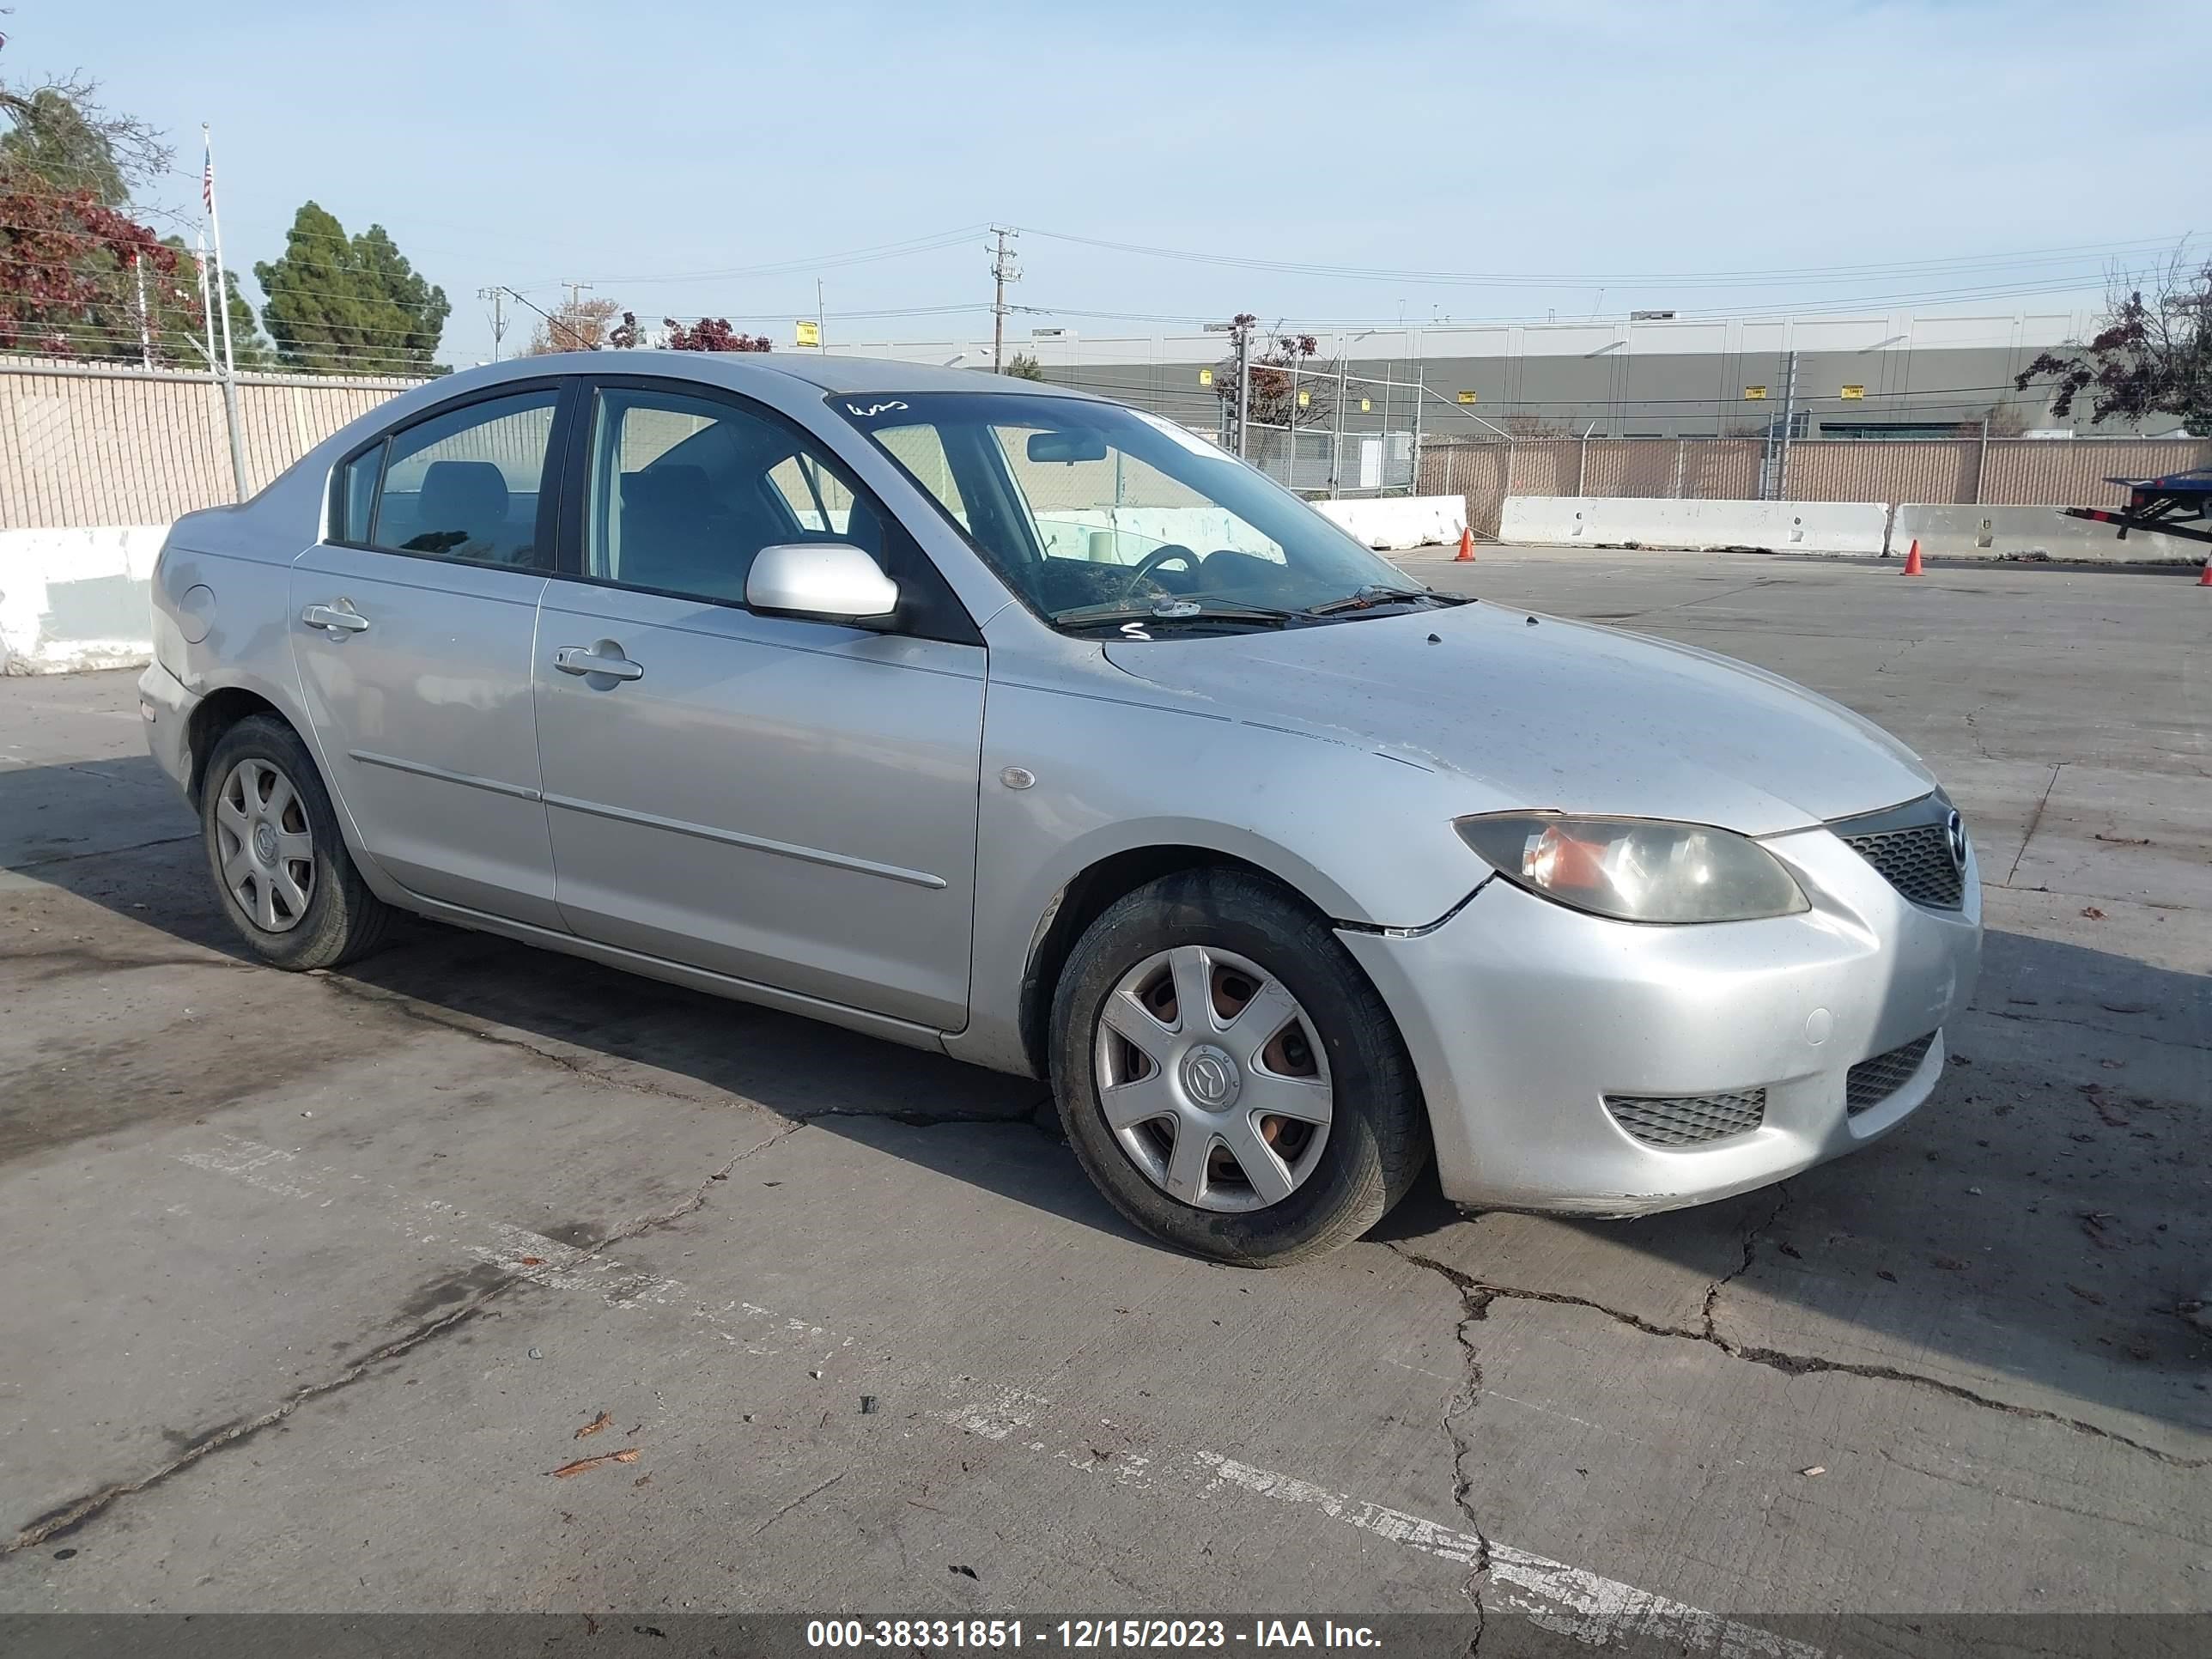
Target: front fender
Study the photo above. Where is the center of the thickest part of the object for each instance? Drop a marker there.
(1363, 834)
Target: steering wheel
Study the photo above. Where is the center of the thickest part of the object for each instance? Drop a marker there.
(1166, 553)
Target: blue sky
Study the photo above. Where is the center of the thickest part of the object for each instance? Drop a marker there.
(666, 151)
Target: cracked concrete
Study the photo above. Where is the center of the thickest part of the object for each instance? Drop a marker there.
(384, 1239)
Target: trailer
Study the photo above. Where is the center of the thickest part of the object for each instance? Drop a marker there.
(2179, 505)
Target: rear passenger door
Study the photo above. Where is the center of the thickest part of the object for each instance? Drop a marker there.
(785, 801)
(412, 625)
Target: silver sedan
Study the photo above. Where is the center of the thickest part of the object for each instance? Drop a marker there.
(1009, 722)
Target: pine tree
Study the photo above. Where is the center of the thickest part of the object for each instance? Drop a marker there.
(350, 306)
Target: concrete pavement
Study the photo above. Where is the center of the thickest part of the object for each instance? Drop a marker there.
(313, 1280)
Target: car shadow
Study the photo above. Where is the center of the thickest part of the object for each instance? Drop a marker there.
(2042, 1217)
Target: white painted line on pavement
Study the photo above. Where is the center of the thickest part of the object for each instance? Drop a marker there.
(1572, 1602)
(516, 1250)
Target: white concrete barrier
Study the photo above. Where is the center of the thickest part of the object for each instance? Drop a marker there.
(1396, 522)
(76, 599)
(1996, 532)
(1780, 527)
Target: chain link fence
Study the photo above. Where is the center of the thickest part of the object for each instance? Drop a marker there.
(88, 445)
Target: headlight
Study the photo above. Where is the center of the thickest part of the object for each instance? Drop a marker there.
(1637, 869)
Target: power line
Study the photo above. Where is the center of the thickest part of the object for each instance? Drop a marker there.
(1812, 274)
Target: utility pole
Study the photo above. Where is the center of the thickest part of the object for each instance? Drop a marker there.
(820, 322)
(1244, 385)
(1003, 271)
(498, 298)
(576, 341)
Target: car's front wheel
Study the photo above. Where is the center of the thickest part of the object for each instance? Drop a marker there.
(281, 868)
(1228, 1077)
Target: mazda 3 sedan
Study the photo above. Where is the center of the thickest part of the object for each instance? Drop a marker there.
(1009, 722)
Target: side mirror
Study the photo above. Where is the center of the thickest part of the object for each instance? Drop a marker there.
(831, 581)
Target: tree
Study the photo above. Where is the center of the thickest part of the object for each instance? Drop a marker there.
(576, 325)
(711, 334)
(59, 132)
(2153, 356)
(1274, 395)
(70, 271)
(1023, 367)
(341, 305)
(80, 276)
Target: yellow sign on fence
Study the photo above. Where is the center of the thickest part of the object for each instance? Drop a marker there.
(1365, 407)
(1305, 398)
(1467, 397)
(1754, 393)
(1206, 376)
(1854, 391)
(809, 334)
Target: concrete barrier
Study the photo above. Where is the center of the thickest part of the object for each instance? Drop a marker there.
(1396, 522)
(76, 599)
(1995, 532)
(1782, 527)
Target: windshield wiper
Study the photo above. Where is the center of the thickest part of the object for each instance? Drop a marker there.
(1377, 593)
(1171, 612)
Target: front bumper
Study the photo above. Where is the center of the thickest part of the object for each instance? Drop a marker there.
(166, 707)
(1522, 1016)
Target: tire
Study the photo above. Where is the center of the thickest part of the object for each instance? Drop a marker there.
(272, 839)
(1246, 931)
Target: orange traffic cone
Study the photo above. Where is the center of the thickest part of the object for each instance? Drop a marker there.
(1912, 559)
(2204, 576)
(1465, 554)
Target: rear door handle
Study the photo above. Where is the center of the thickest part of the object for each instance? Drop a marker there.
(333, 619)
(607, 658)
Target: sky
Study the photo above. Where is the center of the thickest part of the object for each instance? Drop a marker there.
(1321, 164)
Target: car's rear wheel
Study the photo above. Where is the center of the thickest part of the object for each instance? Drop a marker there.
(281, 868)
(1228, 1077)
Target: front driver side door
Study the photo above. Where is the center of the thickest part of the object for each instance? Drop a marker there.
(788, 802)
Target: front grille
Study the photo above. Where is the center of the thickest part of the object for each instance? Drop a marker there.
(1916, 861)
(1685, 1120)
(1873, 1081)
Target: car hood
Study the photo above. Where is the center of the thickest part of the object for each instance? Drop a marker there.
(1555, 715)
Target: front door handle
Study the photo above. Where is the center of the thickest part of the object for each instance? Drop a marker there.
(333, 619)
(605, 658)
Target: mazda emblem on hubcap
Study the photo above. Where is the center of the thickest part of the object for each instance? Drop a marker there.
(1210, 1078)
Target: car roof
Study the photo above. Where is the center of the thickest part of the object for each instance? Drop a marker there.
(735, 369)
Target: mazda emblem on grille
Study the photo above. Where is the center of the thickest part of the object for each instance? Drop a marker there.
(1955, 832)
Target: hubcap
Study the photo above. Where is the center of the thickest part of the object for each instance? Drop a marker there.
(1213, 1078)
(264, 847)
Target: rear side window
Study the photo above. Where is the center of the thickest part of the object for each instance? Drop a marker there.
(464, 485)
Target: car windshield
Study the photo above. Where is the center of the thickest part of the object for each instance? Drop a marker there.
(1097, 514)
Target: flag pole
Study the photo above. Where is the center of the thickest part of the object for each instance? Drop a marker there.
(207, 298)
(222, 303)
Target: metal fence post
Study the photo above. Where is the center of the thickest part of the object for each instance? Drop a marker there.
(1681, 455)
(1981, 460)
(1581, 460)
(1413, 483)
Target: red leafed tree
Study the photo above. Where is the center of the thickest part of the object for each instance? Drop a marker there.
(711, 334)
(70, 269)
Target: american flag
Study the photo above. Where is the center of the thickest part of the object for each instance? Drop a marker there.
(207, 180)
